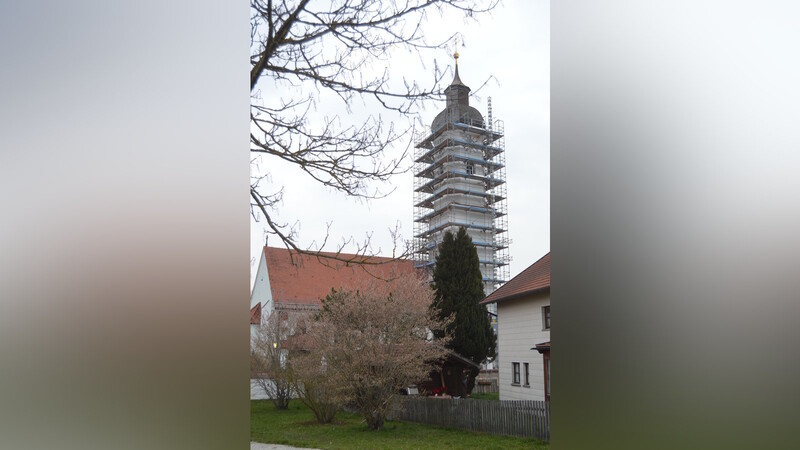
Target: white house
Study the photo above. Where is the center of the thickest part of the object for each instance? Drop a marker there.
(523, 333)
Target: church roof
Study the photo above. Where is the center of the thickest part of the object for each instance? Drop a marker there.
(456, 78)
(307, 279)
(457, 108)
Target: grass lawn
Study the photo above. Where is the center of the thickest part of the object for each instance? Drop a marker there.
(486, 396)
(296, 426)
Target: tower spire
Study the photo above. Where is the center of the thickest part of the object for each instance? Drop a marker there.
(456, 79)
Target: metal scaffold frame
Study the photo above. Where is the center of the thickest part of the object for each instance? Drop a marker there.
(460, 180)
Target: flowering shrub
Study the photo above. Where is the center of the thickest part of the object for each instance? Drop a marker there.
(373, 342)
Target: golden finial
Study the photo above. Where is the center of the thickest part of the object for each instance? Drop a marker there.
(456, 79)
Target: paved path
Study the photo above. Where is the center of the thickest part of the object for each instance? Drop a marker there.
(260, 446)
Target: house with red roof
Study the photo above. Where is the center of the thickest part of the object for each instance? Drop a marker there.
(292, 282)
(523, 333)
(289, 283)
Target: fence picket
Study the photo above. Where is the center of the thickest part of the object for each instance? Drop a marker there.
(524, 418)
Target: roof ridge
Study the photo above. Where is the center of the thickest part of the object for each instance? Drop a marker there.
(330, 254)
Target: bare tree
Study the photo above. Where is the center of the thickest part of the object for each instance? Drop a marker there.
(268, 359)
(331, 46)
(318, 386)
(376, 341)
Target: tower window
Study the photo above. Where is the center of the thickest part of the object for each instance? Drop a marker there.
(470, 169)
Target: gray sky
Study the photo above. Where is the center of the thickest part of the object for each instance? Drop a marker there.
(513, 46)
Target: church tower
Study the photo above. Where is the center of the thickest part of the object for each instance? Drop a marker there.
(459, 180)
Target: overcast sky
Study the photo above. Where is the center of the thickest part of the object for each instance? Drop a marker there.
(513, 46)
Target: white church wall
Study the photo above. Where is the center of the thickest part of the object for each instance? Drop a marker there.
(262, 292)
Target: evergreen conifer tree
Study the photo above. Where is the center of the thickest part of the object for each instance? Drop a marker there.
(458, 284)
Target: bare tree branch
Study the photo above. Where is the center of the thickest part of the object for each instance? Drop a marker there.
(331, 46)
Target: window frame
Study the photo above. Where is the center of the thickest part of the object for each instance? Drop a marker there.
(547, 374)
(546, 318)
(515, 374)
(527, 374)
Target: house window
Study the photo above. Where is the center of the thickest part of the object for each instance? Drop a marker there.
(470, 169)
(527, 375)
(546, 317)
(547, 374)
(515, 373)
(283, 355)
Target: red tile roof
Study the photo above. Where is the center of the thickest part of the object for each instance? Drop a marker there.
(307, 279)
(535, 278)
(255, 314)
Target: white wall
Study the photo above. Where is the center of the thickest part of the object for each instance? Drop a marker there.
(256, 392)
(262, 292)
(520, 328)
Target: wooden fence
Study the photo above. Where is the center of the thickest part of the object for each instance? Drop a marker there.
(485, 386)
(523, 418)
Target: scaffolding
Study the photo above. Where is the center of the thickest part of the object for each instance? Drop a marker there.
(460, 180)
